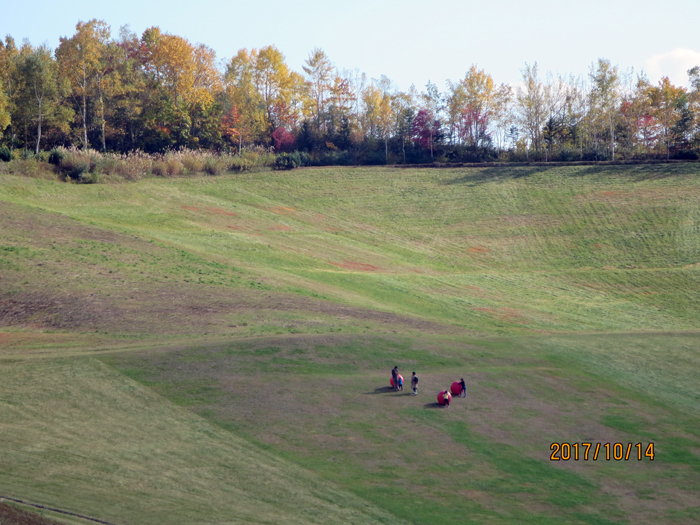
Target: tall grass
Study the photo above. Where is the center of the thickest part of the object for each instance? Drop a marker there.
(91, 166)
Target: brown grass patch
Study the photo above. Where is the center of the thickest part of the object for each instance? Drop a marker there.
(237, 228)
(14, 516)
(221, 212)
(478, 249)
(190, 208)
(281, 228)
(282, 210)
(506, 314)
(349, 265)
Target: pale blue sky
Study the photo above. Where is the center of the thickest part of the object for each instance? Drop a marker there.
(409, 41)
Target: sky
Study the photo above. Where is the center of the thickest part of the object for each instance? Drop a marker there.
(409, 41)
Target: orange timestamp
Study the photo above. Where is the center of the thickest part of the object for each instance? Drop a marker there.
(595, 451)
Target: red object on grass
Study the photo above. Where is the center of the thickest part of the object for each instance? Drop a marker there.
(391, 380)
(456, 388)
(441, 399)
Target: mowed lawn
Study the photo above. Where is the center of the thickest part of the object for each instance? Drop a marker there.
(484, 251)
(80, 437)
(217, 349)
(324, 403)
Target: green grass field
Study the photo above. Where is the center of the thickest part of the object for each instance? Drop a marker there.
(217, 349)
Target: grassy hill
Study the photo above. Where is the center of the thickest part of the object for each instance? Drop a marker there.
(255, 317)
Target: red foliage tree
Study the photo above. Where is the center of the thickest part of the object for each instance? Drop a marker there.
(425, 130)
(282, 140)
(231, 126)
(473, 127)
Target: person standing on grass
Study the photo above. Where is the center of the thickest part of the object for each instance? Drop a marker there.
(414, 384)
(446, 398)
(400, 383)
(463, 386)
(395, 378)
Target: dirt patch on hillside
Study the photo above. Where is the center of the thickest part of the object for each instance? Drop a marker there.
(13, 516)
(478, 249)
(190, 208)
(221, 212)
(282, 210)
(362, 267)
(510, 315)
(186, 308)
(281, 228)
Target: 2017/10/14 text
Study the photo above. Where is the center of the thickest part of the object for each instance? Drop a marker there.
(593, 452)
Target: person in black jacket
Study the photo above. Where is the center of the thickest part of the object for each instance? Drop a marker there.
(414, 384)
(395, 377)
(463, 386)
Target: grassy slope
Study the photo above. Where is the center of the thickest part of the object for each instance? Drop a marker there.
(486, 458)
(521, 250)
(509, 252)
(83, 438)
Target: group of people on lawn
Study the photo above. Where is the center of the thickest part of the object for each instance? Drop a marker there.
(397, 381)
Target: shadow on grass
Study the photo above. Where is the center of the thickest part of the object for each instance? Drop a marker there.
(487, 175)
(432, 405)
(634, 170)
(382, 390)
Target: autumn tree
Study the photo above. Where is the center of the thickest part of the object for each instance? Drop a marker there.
(5, 117)
(42, 91)
(556, 131)
(667, 102)
(605, 100)
(638, 129)
(694, 102)
(404, 111)
(8, 83)
(426, 124)
(502, 113)
(531, 105)
(264, 91)
(273, 80)
(471, 104)
(575, 109)
(319, 81)
(341, 100)
(81, 61)
(131, 93)
(243, 99)
(188, 81)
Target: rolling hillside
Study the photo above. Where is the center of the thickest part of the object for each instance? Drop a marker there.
(186, 350)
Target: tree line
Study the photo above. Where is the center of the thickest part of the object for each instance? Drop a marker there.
(160, 92)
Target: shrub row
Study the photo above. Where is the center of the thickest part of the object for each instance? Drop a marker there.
(89, 166)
